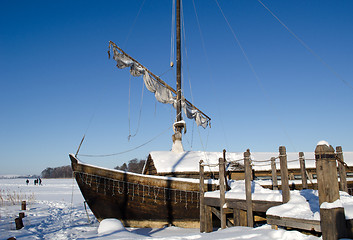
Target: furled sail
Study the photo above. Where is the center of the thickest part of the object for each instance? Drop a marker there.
(162, 91)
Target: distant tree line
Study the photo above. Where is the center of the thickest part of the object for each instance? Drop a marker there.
(134, 166)
(58, 172)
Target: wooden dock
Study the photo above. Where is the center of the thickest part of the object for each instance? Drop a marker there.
(240, 212)
(235, 211)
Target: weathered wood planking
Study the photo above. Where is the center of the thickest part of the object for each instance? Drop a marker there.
(249, 205)
(304, 224)
(257, 205)
(284, 174)
(222, 189)
(332, 220)
(202, 202)
(341, 169)
(138, 200)
(274, 174)
(303, 171)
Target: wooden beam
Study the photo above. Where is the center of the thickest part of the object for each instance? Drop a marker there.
(284, 174)
(248, 174)
(274, 174)
(257, 205)
(208, 216)
(202, 200)
(303, 170)
(341, 169)
(218, 215)
(222, 193)
(304, 224)
(332, 220)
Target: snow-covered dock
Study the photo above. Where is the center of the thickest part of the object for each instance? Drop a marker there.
(325, 210)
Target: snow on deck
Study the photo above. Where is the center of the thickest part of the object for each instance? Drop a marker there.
(168, 161)
(303, 204)
(238, 192)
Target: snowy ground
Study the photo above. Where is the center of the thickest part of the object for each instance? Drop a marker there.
(55, 210)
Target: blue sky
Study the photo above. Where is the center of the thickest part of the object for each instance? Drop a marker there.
(57, 82)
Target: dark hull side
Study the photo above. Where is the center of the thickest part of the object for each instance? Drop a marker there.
(137, 200)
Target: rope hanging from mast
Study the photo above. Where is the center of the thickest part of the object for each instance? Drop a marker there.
(126, 151)
(307, 47)
(140, 112)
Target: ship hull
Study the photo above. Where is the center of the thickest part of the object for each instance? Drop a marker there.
(138, 200)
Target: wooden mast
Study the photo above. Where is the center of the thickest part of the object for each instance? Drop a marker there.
(178, 61)
(177, 137)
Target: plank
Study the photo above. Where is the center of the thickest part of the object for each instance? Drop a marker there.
(218, 215)
(304, 224)
(257, 205)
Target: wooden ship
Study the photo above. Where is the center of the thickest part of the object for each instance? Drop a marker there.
(143, 200)
(138, 200)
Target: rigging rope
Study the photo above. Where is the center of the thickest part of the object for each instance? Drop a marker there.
(182, 46)
(306, 46)
(188, 72)
(133, 24)
(84, 203)
(253, 160)
(165, 72)
(172, 36)
(129, 108)
(261, 165)
(211, 76)
(187, 67)
(256, 76)
(140, 112)
(126, 151)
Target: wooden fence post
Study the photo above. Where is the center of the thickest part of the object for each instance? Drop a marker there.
(222, 199)
(19, 223)
(248, 173)
(208, 217)
(332, 220)
(225, 173)
(341, 169)
(303, 170)
(274, 174)
(23, 205)
(205, 211)
(284, 174)
(202, 199)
